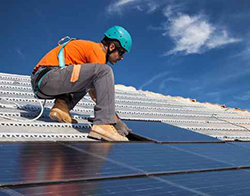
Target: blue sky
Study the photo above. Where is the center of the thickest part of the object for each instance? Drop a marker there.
(194, 48)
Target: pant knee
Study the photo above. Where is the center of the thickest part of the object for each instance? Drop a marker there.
(105, 70)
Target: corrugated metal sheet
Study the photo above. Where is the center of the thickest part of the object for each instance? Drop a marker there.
(17, 101)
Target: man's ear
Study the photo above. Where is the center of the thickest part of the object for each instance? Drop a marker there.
(111, 47)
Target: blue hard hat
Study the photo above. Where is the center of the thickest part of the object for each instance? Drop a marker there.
(120, 34)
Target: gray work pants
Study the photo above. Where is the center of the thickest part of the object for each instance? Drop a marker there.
(56, 84)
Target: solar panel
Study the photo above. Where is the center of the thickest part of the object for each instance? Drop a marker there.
(36, 162)
(224, 153)
(215, 183)
(137, 186)
(30, 162)
(151, 157)
(162, 132)
(235, 182)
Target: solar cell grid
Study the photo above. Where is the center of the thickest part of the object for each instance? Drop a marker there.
(88, 160)
(137, 186)
(150, 158)
(215, 183)
(208, 183)
(48, 161)
(32, 162)
(226, 153)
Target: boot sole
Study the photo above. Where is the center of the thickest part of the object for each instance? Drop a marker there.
(98, 136)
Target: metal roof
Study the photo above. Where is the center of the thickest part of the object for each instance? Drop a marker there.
(17, 101)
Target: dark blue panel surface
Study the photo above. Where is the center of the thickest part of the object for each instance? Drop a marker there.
(31, 162)
(34, 162)
(151, 157)
(5, 192)
(225, 153)
(163, 132)
(132, 187)
(242, 144)
(234, 182)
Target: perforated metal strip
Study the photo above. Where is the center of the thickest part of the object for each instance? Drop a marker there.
(16, 99)
(11, 82)
(29, 89)
(213, 129)
(17, 93)
(161, 114)
(143, 98)
(171, 107)
(54, 125)
(164, 104)
(236, 137)
(32, 115)
(8, 77)
(43, 136)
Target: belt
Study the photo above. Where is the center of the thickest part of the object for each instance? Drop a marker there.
(41, 74)
(38, 77)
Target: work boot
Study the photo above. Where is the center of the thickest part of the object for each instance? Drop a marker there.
(106, 132)
(60, 112)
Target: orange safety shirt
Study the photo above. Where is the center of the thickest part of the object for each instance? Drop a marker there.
(75, 52)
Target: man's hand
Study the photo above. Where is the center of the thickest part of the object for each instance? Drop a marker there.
(121, 127)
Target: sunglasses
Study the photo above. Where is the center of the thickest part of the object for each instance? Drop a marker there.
(120, 50)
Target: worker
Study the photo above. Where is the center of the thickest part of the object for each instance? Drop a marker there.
(69, 71)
